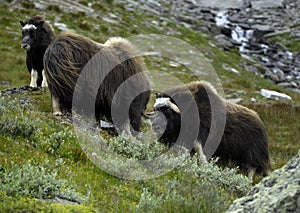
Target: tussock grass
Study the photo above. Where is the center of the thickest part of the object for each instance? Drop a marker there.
(282, 122)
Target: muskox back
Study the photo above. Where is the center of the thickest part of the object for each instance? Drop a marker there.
(67, 56)
(245, 139)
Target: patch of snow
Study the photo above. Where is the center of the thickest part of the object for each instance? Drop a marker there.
(221, 19)
(274, 95)
(105, 124)
(61, 26)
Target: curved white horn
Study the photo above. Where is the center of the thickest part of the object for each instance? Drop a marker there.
(173, 107)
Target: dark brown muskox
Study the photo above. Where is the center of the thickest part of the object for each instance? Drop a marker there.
(244, 141)
(37, 35)
(68, 55)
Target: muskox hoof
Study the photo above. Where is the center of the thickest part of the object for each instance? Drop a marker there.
(201, 160)
(44, 84)
(251, 173)
(33, 85)
(58, 113)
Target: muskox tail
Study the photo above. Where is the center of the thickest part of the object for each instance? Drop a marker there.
(63, 61)
(264, 154)
(258, 158)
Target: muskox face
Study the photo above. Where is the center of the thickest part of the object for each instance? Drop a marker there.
(166, 122)
(30, 32)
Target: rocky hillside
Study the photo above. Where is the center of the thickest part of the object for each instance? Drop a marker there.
(279, 192)
(250, 26)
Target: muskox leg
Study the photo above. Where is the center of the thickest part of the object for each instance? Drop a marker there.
(135, 117)
(135, 122)
(136, 111)
(266, 172)
(201, 155)
(44, 82)
(251, 172)
(124, 129)
(127, 128)
(56, 106)
(34, 77)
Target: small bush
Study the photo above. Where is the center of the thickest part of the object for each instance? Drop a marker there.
(14, 121)
(130, 147)
(36, 182)
(225, 178)
(187, 195)
(52, 143)
(18, 126)
(27, 204)
(10, 106)
(205, 188)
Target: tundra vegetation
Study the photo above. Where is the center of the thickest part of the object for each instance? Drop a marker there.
(42, 166)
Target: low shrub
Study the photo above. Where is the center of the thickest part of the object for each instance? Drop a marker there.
(17, 126)
(36, 182)
(14, 122)
(33, 205)
(53, 142)
(205, 188)
(188, 195)
(226, 178)
(130, 147)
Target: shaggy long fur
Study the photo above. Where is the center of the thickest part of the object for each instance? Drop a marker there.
(69, 53)
(245, 139)
(37, 35)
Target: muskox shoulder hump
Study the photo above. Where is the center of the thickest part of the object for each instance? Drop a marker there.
(196, 86)
(117, 41)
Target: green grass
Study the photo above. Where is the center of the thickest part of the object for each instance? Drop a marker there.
(289, 41)
(29, 133)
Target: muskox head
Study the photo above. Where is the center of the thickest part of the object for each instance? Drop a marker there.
(167, 124)
(31, 32)
(166, 119)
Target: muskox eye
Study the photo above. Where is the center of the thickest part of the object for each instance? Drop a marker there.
(161, 108)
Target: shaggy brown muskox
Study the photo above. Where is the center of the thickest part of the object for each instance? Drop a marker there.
(68, 55)
(245, 139)
(37, 35)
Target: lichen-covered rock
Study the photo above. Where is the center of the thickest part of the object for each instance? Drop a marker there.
(279, 192)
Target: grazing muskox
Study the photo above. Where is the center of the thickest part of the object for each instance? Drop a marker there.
(244, 140)
(68, 55)
(37, 35)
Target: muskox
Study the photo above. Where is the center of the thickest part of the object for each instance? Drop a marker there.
(37, 35)
(68, 55)
(244, 141)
